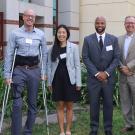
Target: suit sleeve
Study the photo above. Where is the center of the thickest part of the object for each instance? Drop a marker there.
(77, 66)
(116, 58)
(91, 68)
(131, 65)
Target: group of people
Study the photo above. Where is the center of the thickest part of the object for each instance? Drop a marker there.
(102, 53)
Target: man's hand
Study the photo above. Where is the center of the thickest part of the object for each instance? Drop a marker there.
(8, 81)
(102, 76)
(50, 88)
(125, 70)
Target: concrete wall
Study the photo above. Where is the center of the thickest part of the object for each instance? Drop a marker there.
(113, 10)
(68, 14)
(1, 5)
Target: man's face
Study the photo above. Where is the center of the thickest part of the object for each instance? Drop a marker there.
(130, 25)
(29, 18)
(100, 25)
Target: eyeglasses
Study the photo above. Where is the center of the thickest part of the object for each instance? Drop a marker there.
(128, 23)
(30, 16)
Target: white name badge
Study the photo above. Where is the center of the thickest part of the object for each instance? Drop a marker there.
(109, 48)
(28, 41)
(62, 56)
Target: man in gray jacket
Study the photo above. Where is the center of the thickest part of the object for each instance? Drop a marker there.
(127, 73)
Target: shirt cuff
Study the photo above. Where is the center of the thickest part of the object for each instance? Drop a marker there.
(96, 74)
(107, 73)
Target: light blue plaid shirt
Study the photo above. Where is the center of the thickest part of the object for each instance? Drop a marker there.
(27, 44)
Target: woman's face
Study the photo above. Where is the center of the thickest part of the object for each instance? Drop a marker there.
(62, 35)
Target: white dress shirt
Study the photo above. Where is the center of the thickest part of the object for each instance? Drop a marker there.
(127, 44)
(103, 37)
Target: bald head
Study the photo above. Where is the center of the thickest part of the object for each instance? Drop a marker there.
(29, 18)
(29, 11)
(100, 18)
(100, 24)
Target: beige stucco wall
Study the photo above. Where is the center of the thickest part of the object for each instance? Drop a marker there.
(113, 10)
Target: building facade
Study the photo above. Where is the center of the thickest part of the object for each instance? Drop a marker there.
(78, 15)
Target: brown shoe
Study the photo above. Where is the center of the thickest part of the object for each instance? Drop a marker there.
(126, 129)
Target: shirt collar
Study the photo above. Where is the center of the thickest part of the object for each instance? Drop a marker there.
(131, 36)
(24, 29)
(98, 35)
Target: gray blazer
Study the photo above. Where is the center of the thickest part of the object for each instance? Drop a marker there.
(130, 59)
(96, 59)
(72, 62)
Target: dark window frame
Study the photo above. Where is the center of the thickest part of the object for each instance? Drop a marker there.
(55, 24)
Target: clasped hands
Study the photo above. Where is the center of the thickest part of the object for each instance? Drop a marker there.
(125, 70)
(102, 76)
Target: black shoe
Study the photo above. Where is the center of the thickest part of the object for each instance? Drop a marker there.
(126, 129)
(93, 133)
(108, 132)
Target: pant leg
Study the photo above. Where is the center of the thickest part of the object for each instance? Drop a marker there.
(17, 88)
(94, 98)
(132, 88)
(126, 103)
(33, 79)
(107, 93)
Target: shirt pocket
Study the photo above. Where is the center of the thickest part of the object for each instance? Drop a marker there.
(36, 42)
(20, 41)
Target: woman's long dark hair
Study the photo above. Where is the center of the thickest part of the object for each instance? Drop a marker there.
(56, 47)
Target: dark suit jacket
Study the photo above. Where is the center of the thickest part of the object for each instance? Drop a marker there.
(96, 59)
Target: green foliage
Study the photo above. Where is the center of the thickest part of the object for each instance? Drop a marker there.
(84, 92)
(116, 96)
(2, 92)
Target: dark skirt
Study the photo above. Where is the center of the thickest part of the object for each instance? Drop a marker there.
(63, 90)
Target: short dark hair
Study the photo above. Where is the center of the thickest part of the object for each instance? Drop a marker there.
(56, 46)
(129, 17)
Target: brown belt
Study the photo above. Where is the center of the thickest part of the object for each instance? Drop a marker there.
(27, 67)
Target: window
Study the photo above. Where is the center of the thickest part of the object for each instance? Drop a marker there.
(25, 1)
(20, 20)
(55, 15)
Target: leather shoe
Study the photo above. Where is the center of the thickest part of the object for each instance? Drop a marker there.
(126, 129)
(108, 132)
(93, 133)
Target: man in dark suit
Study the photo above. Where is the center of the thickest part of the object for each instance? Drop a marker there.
(100, 54)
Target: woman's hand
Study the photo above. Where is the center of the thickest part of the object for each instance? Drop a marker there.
(43, 78)
(78, 88)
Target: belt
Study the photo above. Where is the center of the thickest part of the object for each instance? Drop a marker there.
(27, 67)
